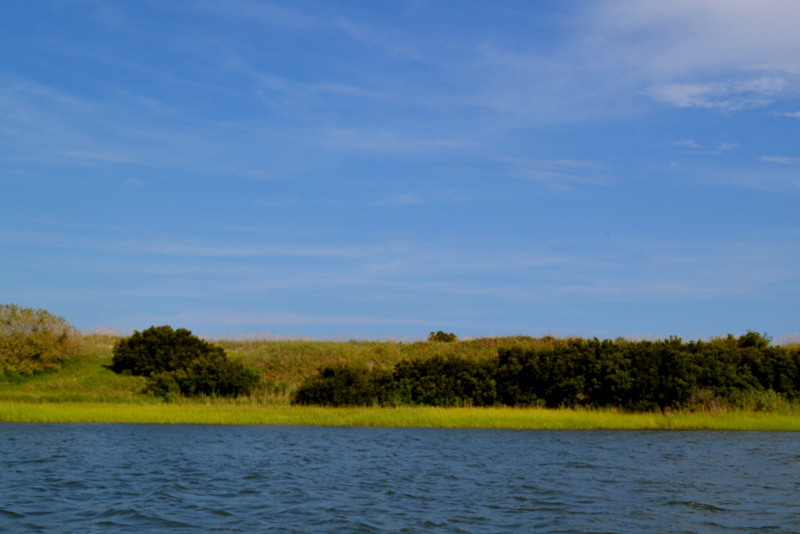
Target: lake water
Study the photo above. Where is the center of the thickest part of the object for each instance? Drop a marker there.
(152, 478)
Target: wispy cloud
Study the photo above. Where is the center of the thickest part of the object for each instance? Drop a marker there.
(264, 12)
(697, 148)
(180, 246)
(724, 96)
(766, 176)
(322, 163)
(48, 125)
(719, 55)
(688, 143)
(278, 201)
(625, 268)
(384, 36)
(560, 175)
(377, 139)
(403, 199)
(282, 319)
(783, 160)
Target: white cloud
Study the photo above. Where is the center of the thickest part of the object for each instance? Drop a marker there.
(720, 55)
(725, 55)
(692, 37)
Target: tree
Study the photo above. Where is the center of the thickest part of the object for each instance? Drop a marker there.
(341, 385)
(34, 340)
(175, 361)
(754, 339)
(442, 337)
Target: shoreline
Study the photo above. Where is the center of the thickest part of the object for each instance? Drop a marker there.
(421, 417)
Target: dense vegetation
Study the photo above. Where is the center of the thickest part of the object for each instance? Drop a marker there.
(285, 364)
(32, 341)
(720, 374)
(177, 362)
(632, 375)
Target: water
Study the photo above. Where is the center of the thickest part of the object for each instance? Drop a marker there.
(194, 479)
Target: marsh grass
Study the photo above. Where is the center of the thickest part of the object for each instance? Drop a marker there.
(490, 418)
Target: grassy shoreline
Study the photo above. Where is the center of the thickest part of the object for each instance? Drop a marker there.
(85, 390)
(485, 418)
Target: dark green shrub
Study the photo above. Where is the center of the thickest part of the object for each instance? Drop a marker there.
(341, 385)
(754, 339)
(632, 375)
(579, 372)
(645, 375)
(608, 374)
(159, 349)
(435, 381)
(175, 361)
(32, 340)
(445, 381)
(676, 374)
(552, 374)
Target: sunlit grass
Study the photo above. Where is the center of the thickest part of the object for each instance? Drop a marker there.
(86, 390)
(499, 418)
(285, 363)
(84, 378)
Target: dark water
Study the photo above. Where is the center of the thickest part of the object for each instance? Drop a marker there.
(192, 479)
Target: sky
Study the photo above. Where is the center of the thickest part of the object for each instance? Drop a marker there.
(361, 169)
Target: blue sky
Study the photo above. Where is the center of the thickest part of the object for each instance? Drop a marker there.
(361, 168)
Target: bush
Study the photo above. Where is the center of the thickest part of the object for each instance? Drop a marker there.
(667, 374)
(175, 361)
(434, 381)
(34, 340)
(647, 375)
(340, 385)
(445, 381)
(442, 337)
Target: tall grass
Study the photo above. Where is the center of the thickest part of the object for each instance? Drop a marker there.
(285, 363)
(498, 418)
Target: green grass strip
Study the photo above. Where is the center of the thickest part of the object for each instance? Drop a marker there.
(506, 418)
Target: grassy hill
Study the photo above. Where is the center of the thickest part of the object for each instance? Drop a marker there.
(283, 364)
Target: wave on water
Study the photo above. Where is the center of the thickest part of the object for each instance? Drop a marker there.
(190, 479)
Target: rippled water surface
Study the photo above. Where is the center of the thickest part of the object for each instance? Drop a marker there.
(184, 478)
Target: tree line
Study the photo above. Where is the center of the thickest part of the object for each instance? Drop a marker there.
(630, 375)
